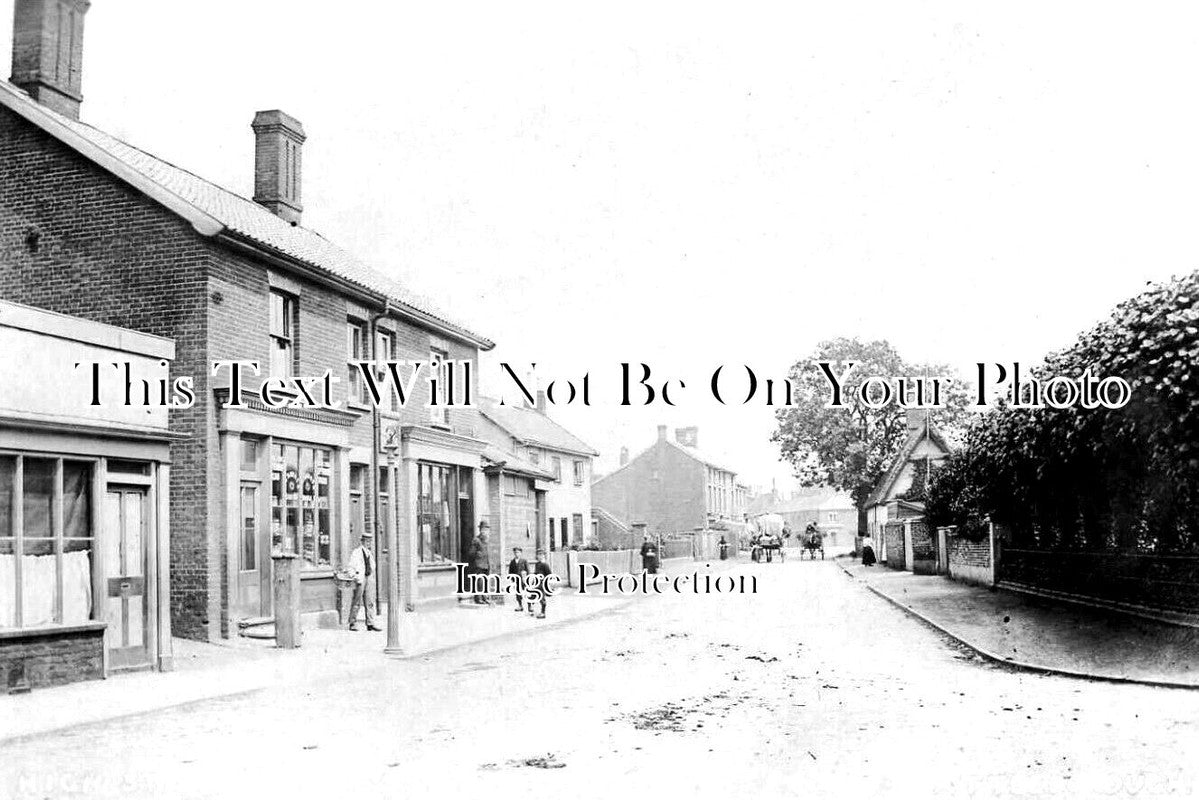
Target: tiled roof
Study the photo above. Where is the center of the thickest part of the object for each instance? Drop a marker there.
(212, 209)
(532, 427)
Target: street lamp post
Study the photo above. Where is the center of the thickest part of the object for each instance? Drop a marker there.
(392, 446)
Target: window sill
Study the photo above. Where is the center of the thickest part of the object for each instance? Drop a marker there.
(436, 567)
(51, 630)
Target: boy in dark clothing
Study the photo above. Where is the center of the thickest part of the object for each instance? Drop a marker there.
(519, 567)
(543, 569)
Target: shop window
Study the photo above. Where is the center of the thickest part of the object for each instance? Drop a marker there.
(46, 562)
(444, 511)
(300, 503)
(283, 334)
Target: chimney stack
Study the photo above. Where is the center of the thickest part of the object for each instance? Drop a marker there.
(541, 401)
(688, 437)
(661, 433)
(277, 141)
(624, 456)
(47, 52)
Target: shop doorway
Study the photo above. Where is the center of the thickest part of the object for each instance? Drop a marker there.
(252, 567)
(125, 536)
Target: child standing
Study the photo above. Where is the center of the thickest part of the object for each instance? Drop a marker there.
(519, 567)
(543, 571)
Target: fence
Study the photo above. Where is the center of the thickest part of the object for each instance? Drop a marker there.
(1168, 583)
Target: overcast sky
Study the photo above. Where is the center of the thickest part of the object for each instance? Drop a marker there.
(697, 184)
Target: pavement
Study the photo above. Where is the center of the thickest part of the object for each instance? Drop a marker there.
(810, 687)
(1035, 633)
(205, 671)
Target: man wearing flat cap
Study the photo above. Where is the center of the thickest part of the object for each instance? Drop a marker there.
(362, 567)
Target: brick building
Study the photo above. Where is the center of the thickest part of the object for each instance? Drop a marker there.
(93, 227)
(833, 512)
(567, 459)
(84, 513)
(671, 486)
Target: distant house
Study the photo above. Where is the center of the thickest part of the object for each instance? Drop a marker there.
(923, 448)
(566, 460)
(672, 486)
(833, 511)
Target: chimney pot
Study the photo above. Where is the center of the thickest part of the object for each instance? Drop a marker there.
(47, 52)
(277, 164)
(624, 456)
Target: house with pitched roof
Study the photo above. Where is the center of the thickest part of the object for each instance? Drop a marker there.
(922, 449)
(672, 487)
(529, 433)
(95, 227)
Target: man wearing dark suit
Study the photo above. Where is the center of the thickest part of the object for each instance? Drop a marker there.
(519, 567)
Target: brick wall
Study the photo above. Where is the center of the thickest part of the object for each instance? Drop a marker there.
(970, 560)
(54, 660)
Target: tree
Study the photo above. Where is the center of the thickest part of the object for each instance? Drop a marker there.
(850, 448)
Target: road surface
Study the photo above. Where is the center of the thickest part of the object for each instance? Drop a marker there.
(812, 687)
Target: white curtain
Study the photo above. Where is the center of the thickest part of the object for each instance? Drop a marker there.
(38, 587)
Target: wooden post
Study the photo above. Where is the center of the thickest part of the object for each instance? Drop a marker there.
(287, 599)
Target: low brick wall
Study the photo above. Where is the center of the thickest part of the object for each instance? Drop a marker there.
(53, 658)
(970, 560)
(1152, 582)
(893, 534)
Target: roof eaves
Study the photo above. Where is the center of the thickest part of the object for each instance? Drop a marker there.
(28, 109)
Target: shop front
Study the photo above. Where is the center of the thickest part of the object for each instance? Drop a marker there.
(84, 511)
(287, 489)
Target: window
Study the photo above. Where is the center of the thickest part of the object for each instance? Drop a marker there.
(534, 455)
(300, 503)
(384, 492)
(577, 521)
(249, 456)
(516, 486)
(440, 414)
(46, 560)
(556, 468)
(356, 338)
(832, 516)
(283, 331)
(444, 511)
(385, 350)
(249, 527)
(357, 513)
(578, 473)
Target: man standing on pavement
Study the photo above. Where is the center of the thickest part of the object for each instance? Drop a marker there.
(480, 560)
(543, 571)
(362, 567)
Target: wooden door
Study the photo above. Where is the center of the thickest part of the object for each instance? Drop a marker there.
(126, 603)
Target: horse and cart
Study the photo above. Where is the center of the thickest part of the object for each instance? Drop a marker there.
(813, 542)
(770, 537)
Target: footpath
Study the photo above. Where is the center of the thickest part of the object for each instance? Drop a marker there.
(1043, 635)
(205, 671)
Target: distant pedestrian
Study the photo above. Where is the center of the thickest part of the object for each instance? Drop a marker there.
(362, 567)
(542, 570)
(480, 563)
(868, 557)
(519, 567)
(649, 556)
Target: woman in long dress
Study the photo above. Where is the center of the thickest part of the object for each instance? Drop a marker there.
(868, 557)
